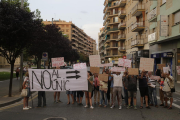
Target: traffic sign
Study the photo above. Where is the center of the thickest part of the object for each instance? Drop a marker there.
(45, 56)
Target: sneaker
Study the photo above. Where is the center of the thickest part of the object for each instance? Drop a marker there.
(86, 106)
(29, 107)
(120, 107)
(135, 107)
(25, 108)
(112, 107)
(58, 101)
(128, 107)
(92, 107)
(100, 105)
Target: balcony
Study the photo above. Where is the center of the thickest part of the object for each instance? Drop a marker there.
(122, 14)
(112, 30)
(112, 14)
(122, 37)
(140, 0)
(137, 43)
(114, 46)
(114, 22)
(137, 10)
(114, 5)
(122, 49)
(152, 16)
(137, 27)
(122, 26)
(122, 3)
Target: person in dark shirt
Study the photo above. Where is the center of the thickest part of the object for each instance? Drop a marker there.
(143, 87)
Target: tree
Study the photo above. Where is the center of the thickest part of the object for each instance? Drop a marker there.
(17, 28)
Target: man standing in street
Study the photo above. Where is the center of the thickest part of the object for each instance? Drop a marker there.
(152, 90)
(41, 94)
(143, 87)
(117, 89)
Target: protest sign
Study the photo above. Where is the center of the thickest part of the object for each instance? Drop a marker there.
(124, 62)
(160, 66)
(57, 62)
(155, 77)
(178, 70)
(105, 65)
(133, 71)
(79, 66)
(101, 78)
(147, 64)
(165, 69)
(94, 60)
(94, 70)
(58, 79)
(127, 63)
(118, 69)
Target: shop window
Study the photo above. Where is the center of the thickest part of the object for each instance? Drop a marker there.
(177, 18)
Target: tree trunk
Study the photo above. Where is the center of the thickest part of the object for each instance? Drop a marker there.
(11, 78)
(39, 64)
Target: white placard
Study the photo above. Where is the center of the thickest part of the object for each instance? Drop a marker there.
(166, 69)
(79, 66)
(57, 62)
(94, 60)
(106, 65)
(58, 79)
(118, 69)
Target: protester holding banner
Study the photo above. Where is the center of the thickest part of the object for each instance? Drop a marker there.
(68, 96)
(90, 89)
(117, 89)
(26, 85)
(143, 87)
(152, 90)
(96, 89)
(168, 89)
(57, 94)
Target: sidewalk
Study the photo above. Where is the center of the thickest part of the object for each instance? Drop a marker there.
(177, 87)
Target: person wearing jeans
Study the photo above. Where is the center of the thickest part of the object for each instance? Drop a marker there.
(103, 94)
(152, 91)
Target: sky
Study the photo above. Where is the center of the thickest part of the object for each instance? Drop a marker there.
(86, 14)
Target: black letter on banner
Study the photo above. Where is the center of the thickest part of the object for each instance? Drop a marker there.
(57, 84)
(40, 83)
(52, 85)
(54, 73)
(49, 80)
(65, 84)
(58, 75)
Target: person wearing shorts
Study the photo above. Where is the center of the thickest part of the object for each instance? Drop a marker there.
(68, 96)
(143, 87)
(168, 85)
(132, 90)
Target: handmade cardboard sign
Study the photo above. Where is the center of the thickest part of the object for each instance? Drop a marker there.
(124, 62)
(57, 62)
(79, 66)
(155, 77)
(95, 70)
(118, 69)
(101, 78)
(94, 60)
(165, 69)
(178, 70)
(120, 62)
(147, 64)
(160, 66)
(58, 79)
(133, 71)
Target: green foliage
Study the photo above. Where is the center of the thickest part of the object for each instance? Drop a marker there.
(5, 75)
(83, 58)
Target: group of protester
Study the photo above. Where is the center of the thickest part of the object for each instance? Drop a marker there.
(116, 82)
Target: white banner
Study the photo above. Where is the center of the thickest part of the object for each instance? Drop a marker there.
(58, 79)
(79, 66)
(106, 65)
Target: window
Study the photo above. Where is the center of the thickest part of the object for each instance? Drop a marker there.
(163, 1)
(67, 25)
(177, 18)
(67, 30)
(115, 19)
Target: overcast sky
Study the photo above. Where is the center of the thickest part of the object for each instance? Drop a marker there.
(86, 14)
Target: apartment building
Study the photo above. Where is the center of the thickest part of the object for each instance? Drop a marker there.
(164, 34)
(101, 47)
(4, 63)
(79, 39)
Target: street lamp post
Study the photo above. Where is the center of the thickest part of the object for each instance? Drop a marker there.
(21, 63)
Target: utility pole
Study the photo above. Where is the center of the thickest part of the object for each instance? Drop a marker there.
(52, 21)
(21, 64)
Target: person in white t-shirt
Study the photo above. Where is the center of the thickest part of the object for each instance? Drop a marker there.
(117, 89)
(168, 85)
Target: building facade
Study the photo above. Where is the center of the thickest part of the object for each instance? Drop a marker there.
(4, 63)
(164, 39)
(79, 39)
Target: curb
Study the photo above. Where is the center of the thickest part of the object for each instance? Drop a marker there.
(15, 100)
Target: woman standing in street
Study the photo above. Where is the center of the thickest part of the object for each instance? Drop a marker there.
(17, 72)
(90, 89)
(26, 85)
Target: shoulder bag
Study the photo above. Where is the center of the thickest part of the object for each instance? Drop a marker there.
(172, 89)
(24, 92)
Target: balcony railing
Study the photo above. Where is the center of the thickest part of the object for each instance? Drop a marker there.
(121, 48)
(152, 14)
(122, 3)
(137, 42)
(113, 29)
(121, 36)
(137, 10)
(122, 13)
(137, 26)
(122, 25)
(114, 13)
(115, 45)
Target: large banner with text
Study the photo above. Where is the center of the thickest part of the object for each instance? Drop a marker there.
(58, 79)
